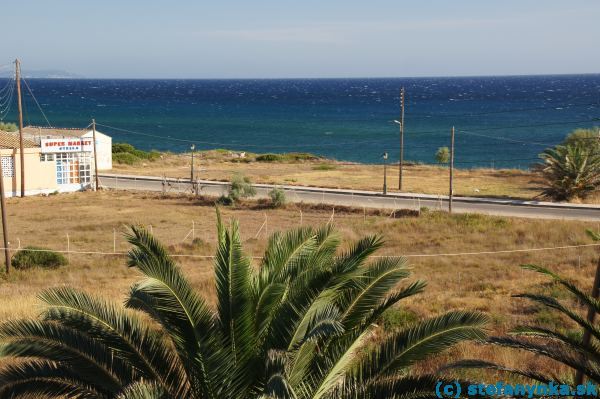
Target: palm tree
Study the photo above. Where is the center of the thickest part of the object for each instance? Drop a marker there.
(299, 326)
(570, 171)
(575, 351)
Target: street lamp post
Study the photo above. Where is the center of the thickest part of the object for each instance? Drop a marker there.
(193, 147)
(385, 157)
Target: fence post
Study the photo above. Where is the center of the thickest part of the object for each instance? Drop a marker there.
(300, 217)
(193, 231)
(266, 226)
(68, 247)
(114, 240)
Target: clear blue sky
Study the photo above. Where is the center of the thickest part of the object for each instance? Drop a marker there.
(307, 38)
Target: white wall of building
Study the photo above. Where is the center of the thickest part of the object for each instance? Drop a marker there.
(104, 148)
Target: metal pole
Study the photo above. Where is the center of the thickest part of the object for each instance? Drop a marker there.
(451, 193)
(401, 164)
(95, 154)
(4, 220)
(193, 147)
(385, 174)
(22, 153)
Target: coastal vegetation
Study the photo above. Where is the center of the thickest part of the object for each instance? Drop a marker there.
(572, 169)
(278, 198)
(287, 157)
(127, 154)
(240, 187)
(428, 179)
(301, 325)
(442, 155)
(8, 127)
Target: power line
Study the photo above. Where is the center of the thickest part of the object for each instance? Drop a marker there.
(36, 102)
(316, 145)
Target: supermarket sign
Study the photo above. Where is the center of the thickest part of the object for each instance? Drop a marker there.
(50, 146)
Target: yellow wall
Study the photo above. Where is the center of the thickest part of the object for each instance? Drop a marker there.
(39, 176)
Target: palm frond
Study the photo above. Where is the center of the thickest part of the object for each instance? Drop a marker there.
(480, 364)
(554, 351)
(569, 285)
(127, 337)
(435, 335)
(235, 314)
(143, 390)
(41, 378)
(53, 342)
(179, 309)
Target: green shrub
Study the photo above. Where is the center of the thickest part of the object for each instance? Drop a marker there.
(277, 197)
(287, 157)
(269, 158)
(37, 257)
(125, 153)
(126, 158)
(224, 200)
(324, 166)
(241, 187)
(122, 147)
(301, 156)
(8, 127)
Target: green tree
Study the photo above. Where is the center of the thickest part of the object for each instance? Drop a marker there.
(442, 155)
(299, 326)
(570, 171)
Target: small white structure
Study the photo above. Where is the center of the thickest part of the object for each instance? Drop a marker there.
(103, 141)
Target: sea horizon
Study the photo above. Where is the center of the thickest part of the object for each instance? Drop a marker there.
(501, 121)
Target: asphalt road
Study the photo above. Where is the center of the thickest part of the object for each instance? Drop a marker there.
(529, 209)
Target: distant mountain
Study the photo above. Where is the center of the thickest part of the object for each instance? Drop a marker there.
(43, 74)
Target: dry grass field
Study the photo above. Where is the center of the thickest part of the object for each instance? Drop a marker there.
(219, 165)
(485, 282)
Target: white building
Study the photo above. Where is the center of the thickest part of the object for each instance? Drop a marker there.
(103, 142)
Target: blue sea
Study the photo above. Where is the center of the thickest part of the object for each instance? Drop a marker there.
(499, 121)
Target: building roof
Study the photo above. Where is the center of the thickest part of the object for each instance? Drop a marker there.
(11, 140)
(44, 132)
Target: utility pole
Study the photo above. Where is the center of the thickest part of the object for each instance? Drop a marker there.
(193, 147)
(451, 193)
(401, 163)
(21, 152)
(96, 185)
(4, 221)
(385, 157)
